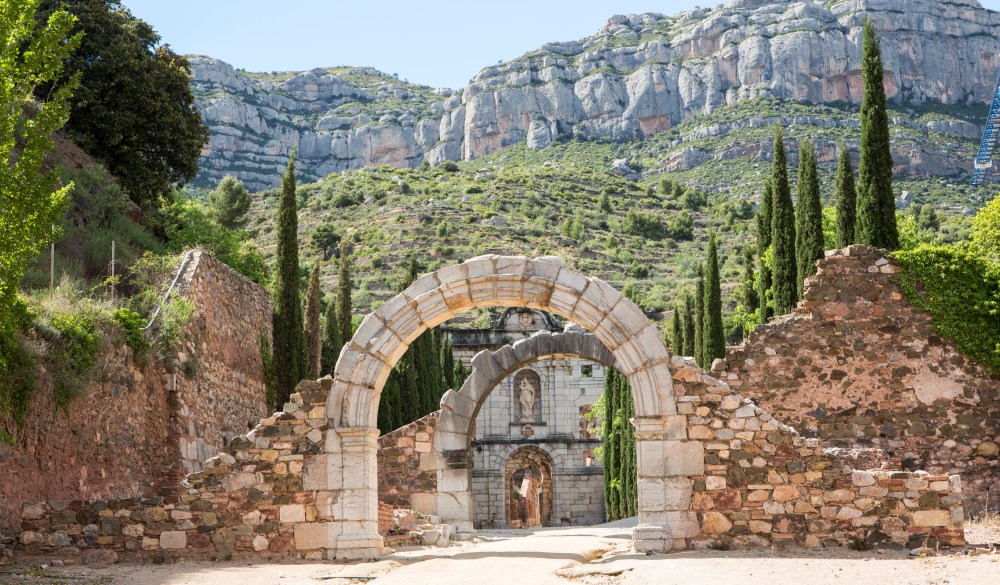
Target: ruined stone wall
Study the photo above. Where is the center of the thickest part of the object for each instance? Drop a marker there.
(249, 499)
(405, 462)
(224, 396)
(763, 483)
(141, 424)
(857, 366)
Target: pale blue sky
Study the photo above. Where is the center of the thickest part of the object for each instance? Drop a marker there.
(441, 43)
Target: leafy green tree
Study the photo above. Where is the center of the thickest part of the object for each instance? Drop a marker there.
(927, 219)
(699, 317)
(846, 195)
(687, 319)
(682, 227)
(986, 231)
(134, 109)
(325, 240)
(808, 216)
(313, 330)
(289, 338)
(231, 202)
(782, 232)
(332, 342)
(765, 281)
(31, 199)
(876, 223)
(713, 338)
(748, 286)
(344, 286)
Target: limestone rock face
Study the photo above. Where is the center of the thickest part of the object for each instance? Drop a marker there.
(640, 75)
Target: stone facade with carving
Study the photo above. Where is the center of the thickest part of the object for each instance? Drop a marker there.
(532, 424)
(141, 425)
(860, 368)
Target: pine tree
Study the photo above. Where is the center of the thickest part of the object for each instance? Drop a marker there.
(699, 317)
(289, 340)
(782, 232)
(687, 319)
(846, 196)
(713, 338)
(344, 293)
(677, 331)
(765, 282)
(230, 201)
(808, 217)
(332, 343)
(876, 219)
(311, 325)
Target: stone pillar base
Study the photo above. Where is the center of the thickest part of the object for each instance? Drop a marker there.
(657, 539)
(357, 547)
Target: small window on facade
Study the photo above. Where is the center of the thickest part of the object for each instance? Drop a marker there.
(587, 371)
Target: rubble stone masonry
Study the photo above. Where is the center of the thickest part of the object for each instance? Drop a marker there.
(860, 368)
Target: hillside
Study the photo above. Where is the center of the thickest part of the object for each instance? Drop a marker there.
(639, 77)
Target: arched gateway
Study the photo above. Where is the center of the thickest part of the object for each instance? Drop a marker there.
(346, 474)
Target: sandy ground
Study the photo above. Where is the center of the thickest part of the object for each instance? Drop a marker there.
(559, 556)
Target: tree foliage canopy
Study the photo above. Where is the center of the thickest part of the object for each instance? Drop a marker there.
(231, 202)
(134, 109)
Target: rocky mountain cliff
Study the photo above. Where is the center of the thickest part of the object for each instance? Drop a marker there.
(639, 76)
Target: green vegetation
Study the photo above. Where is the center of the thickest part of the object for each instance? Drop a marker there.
(231, 202)
(846, 197)
(784, 271)
(289, 338)
(618, 453)
(713, 339)
(876, 205)
(133, 109)
(267, 360)
(332, 342)
(344, 288)
(699, 317)
(311, 326)
(808, 216)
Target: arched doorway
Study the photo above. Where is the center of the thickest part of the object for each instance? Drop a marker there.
(346, 476)
(528, 488)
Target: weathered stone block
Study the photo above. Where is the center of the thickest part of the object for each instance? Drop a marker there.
(173, 540)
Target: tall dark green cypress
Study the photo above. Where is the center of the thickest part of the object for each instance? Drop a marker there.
(610, 448)
(390, 414)
(628, 468)
(311, 325)
(876, 223)
(748, 288)
(688, 321)
(677, 331)
(289, 338)
(765, 282)
(808, 216)
(448, 362)
(784, 288)
(699, 317)
(344, 310)
(713, 338)
(332, 342)
(846, 195)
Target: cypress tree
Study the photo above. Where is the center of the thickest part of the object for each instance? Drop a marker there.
(846, 196)
(677, 331)
(332, 343)
(390, 416)
(876, 214)
(289, 340)
(311, 325)
(808, 216)
(448, 363)
(629, 471)
(687, 319)
(714, 339)
(699, 317)
(749, 300)
(610, 447)
(344, 293)
(784, 289)
(764, 241)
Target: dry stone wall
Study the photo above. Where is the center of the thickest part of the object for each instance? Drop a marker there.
(405, 462)
(763, 483)
(860, 368)
(141, 425)
(247, 500)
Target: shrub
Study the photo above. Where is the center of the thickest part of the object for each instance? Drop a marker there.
(647, 225)
(17, 366)
(131, 324)
(73, 354)
(682, 226)
(962, 292)
(449, 166)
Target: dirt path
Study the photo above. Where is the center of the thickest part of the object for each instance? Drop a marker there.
(553, 556)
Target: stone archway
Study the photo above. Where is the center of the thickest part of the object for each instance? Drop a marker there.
(530, 467)
(346, 475)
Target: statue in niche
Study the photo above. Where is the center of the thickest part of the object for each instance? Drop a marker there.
(526, 396)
